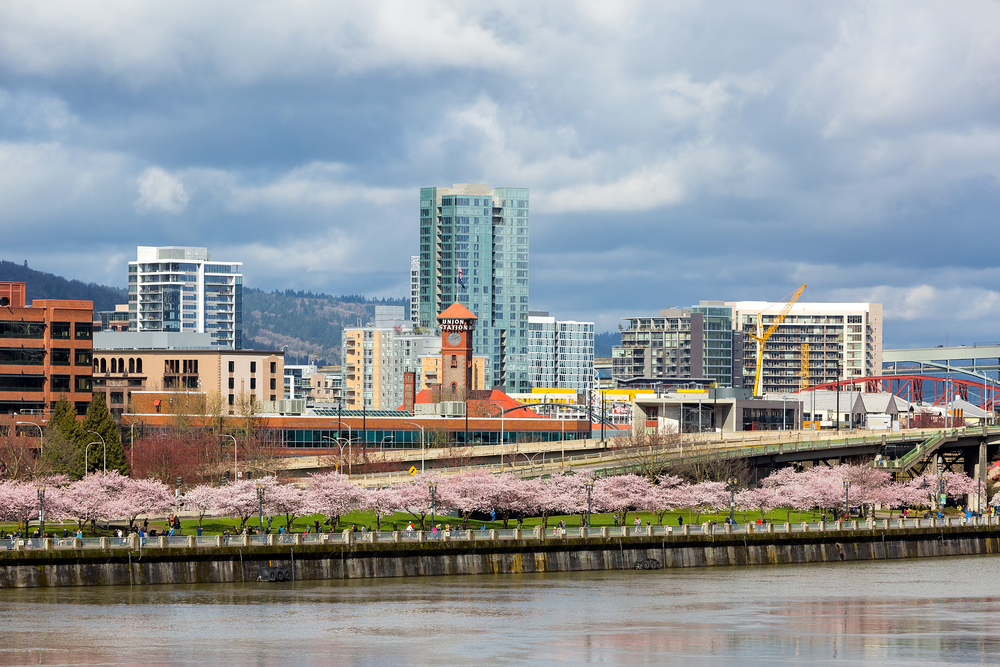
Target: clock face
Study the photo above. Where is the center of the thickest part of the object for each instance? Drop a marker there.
(454, 338)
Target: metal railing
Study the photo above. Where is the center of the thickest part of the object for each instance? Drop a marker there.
(532, 534)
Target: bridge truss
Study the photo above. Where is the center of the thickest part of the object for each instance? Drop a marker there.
(924, 388)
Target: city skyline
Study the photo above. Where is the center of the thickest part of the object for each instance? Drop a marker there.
(673, 153)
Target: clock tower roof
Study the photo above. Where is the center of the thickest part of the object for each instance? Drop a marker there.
(457, 311)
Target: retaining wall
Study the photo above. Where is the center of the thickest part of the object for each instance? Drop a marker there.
(147, 566)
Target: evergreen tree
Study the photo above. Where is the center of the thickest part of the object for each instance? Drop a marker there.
(63, 438)
(99, 420)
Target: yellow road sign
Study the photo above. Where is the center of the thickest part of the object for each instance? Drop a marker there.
(413, 470)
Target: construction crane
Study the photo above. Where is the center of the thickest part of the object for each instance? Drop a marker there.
(761, 337)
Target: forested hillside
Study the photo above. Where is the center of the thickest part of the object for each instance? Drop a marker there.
(41, 285)
(309, 324)
(603, 342)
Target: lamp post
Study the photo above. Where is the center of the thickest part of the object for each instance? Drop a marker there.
(105, 449)
(260, 506)
(41, 437)
(131, 446)
(41, 510)
(350, 440)
(847, 498)
(432, 487)
(421, 442)
(236, 472)
(589, 485)
(731, 485)
(340, 444)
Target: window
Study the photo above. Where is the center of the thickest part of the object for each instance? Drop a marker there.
(274, 368)
(84, 331)
(131, 364)
(232, 366)
(60, 357)
(60, 330)
(117, 397)
(138, 365)
(22, 356)
(232, 383)
(273, 385)
(272, 397)
(253, 366)
(253, 383)
(84, 358)
(232, 400)
(83, 383)
(60, 383)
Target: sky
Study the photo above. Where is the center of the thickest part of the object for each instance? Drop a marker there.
(674, 151)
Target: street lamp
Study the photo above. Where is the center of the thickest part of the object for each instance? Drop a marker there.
(847, 498)
(432, 487)
(236, 472)
(41, 437)
(421, 442)
(260, 505)
(340, 445)
(41, 509)
(350, 440)
(589, 485)
(86, 458)
(731, 486)
(105, 449)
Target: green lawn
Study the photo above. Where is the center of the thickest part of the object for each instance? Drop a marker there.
(215, 526)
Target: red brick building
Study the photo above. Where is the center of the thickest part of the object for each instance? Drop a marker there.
(45, 350)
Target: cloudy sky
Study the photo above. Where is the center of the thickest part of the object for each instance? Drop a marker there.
(674, 151)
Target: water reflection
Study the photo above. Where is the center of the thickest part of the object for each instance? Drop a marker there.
(915, 612)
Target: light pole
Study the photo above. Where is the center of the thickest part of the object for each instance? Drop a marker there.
(260, 506)
(236, 472)
(731, 485)
(589, 485)
(340, 445)
(381, 445)
(131, 446)
(41, 510)
(105, 449)
(432, 487)
(350, 441)
(41, 437)
(421, 443)
(847, 498)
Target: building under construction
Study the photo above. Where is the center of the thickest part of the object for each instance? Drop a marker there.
(813, 344)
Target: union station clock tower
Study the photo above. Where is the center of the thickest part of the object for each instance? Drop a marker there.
(457, 323)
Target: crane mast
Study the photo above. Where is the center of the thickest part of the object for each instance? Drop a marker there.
(762, 336)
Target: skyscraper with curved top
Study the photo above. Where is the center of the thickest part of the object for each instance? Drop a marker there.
(474, 251)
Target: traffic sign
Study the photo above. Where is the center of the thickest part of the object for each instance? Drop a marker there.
(413, 470)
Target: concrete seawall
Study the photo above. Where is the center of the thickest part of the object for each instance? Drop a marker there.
(148, 566)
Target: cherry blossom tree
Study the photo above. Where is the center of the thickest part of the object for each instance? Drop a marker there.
(239, 499)
(414, 497)
(707, 496)
(332, 495)
(760, 499)
(19, 502)
(92, 498)
(285, 499)
(139, 497)
(382, 502)
(666, 495)
(467, 492)
(508, 495)
(621, 493)
(201, 499)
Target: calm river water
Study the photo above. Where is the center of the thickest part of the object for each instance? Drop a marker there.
(941, 611)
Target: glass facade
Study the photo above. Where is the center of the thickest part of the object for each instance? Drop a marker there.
(474, 250)
(561, 353)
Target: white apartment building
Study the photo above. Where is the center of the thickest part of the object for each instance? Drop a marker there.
(844, 341)
(174, 288)
(560, 352)
(415, 290)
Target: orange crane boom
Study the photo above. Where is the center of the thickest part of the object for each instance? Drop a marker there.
(762, 336)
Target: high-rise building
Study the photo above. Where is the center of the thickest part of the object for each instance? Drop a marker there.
(175, 288)
(844, 340)
(415, 290)
(474, 251)
(682, 343)
(560, 352)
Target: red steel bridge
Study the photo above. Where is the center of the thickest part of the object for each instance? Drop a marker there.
(924, 388)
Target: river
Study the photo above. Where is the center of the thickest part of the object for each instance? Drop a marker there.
(914, 612)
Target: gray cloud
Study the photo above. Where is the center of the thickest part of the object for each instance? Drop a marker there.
(674, 151)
